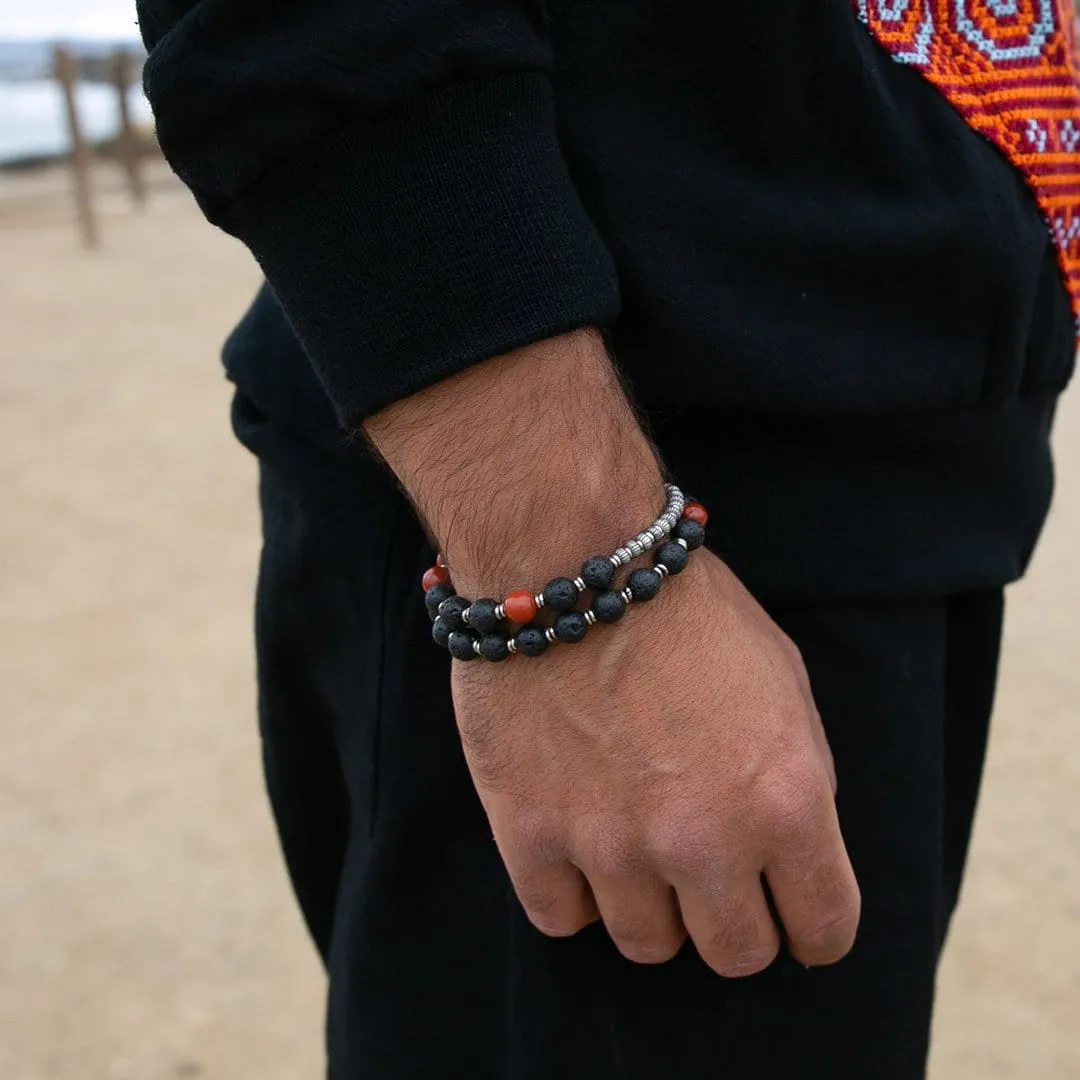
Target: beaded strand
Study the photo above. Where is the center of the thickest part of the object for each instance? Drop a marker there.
(471, 629)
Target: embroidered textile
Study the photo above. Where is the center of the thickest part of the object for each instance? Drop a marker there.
(1010, 68)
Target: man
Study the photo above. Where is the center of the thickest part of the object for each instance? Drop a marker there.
(837, 306)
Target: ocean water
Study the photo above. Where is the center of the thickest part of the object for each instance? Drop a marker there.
(32, 120)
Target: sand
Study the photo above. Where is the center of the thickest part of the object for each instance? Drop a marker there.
(146, 927)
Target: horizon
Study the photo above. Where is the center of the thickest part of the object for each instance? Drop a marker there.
(99, 38)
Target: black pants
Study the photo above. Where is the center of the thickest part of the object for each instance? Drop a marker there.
(434, 972)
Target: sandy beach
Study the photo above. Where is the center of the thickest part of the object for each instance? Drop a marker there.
(146, 927)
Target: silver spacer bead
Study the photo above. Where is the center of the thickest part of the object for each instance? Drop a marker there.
(465, 616)
(538, 599)
(656, 532)
(549, 633)
(627, 595)
(579, 584)
(476, 647)
(590, 618)
(683, 544)
(511, 644)
(661, 569)
(500, 612)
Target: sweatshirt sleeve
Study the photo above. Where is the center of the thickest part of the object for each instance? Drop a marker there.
(394, 166)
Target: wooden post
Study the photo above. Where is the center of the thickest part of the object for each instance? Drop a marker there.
(127, 142)
(67, 74)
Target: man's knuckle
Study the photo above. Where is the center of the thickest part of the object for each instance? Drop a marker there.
(535, 830)
(648, 952)
(830, 936)
(544, 891)
(554, 926)
(644, 946)
(738, 965)
(793, 799)
(610, 854)
(739, 943)
(537, 898)
(672, 839)
(733, 934)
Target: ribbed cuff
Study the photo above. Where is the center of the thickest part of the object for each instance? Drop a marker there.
(406, 247)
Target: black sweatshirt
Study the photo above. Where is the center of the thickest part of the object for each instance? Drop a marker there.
(837, 305)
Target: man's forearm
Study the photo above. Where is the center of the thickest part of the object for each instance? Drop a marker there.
(523, 465)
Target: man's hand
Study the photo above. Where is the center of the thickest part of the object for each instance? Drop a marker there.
(658, 773)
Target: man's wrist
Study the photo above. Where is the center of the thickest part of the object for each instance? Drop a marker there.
(525, 464)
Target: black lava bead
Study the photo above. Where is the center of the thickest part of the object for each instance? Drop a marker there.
(435, 596)
(482, 615)
(691, 532)
(673, 556)
(460, 644)
(494, 647)
(608, 607)
(560, 594)
(571, 627)
(644, 584)
(450, 611)
(597, 572)
(530, 641)
(440, 632)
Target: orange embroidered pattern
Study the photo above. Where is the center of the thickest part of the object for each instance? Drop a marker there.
(1010, 68)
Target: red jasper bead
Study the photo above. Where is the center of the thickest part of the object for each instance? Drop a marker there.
(696, 512)
(437, 575)
(520, 607)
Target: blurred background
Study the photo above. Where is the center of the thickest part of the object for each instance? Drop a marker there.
(147, 931)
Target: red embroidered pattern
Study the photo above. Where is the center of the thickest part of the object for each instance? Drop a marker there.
(1010, 68)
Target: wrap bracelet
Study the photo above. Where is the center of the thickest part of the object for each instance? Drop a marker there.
(472, 629)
